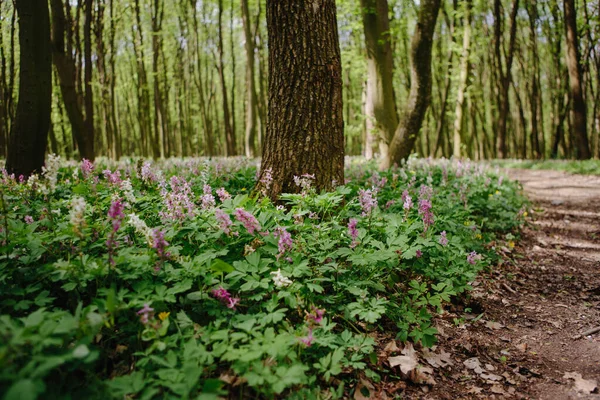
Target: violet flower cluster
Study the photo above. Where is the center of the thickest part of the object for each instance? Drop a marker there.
(285, 242)
(353, 232)
(224, 220)
(313, 320)
(248, 220)
(225, 297)
(367, 201)
(115, 216)
(178, 202)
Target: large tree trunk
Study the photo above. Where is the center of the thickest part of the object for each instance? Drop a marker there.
(251, 98)
(380, 101)
(305, 128)
(420, 88)
(578, 110)
(462, 82)
(29, 136)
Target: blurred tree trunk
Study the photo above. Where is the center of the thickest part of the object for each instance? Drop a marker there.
(504, 73)
(67, 71)
(251, 99)
(29, 136)
(305, 130)
(380, 100)
(420, 88)
(462, 80)
(230, 145)
(578, 106)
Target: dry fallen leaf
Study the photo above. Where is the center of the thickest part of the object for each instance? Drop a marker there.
(407, 362)
(391, 347)
(494, 325)
(522, 347)
(368, 388)
(474, 364)
(422, 376)
(437, 360)
(586, 386)
(498, 390)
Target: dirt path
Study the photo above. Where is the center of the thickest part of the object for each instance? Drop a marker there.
(515, 339)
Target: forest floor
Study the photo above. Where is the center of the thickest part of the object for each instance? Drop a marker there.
(517, 337)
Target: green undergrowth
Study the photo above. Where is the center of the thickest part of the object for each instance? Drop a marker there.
(586, 167)
(171, 280)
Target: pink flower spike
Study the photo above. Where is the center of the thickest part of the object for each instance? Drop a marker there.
(308, 340)
(145, 310)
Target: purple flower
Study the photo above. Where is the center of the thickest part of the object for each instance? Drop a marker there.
(408, 203)
(223, 220)
(316, 315)
(248, 220)
(266, 180)
(419, 253)
(426, 214)
(367, 201)
(115, 214)
(178, 201)
(159, 243)
(443, 239)
(208, 200)
(28, 219)
(112, 177)
(223, 194)
(87, 167)
(225, 297)
(308, 340)
(285, 242)
(353, 232)
(144, 312)
(473, 257)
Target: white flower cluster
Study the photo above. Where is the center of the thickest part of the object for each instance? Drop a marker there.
(128, 190)
(77, 213)
(279, 280)
(140, 227)
(50, 170)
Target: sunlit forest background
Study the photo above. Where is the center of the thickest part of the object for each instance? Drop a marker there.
(189, 77)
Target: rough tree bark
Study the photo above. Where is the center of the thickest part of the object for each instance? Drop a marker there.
(380, 101)
(305, 128)
(420, 88)
(29, 136)
(578, 107)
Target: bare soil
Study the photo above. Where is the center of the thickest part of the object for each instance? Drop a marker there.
(516, 336)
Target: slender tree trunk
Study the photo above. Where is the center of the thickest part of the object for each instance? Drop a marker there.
(462, 82)
(305, 130)
(87, 76)
(380, 101)
(505, 75)
(29, 136)
(229, 133)
(66, 68)
(578, 110)
(420, 89)
(251, 99)
(535, 106)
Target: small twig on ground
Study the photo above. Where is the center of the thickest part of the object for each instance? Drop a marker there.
(588, 332)
(505, 286)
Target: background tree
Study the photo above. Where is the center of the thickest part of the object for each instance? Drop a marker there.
(420, 89)
(578, 107)
(380, 102)
(29, 136)
(305, 128)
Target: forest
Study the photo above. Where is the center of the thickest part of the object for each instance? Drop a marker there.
(150, 78)
(299, 199)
